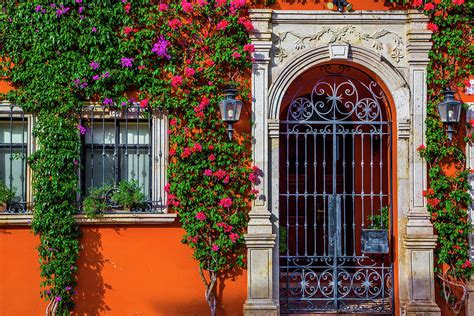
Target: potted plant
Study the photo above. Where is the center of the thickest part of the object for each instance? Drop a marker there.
(6, 196)
(375, 238)
(96, 202)
(128, 195)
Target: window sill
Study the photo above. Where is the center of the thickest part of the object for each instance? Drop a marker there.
(106, 219)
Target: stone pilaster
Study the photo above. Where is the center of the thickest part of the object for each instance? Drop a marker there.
(260, 239)
(419, 240)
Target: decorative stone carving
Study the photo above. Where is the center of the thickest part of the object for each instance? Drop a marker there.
(382, 40)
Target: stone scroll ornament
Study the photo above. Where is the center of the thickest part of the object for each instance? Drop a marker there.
(393, 43)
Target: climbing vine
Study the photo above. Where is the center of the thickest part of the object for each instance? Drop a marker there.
(178, 56)
(451, 60)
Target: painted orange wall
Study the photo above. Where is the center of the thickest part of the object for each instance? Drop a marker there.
(131, 270)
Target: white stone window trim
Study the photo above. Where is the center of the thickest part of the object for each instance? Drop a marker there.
(109, 219)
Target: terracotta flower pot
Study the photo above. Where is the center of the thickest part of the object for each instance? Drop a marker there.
(3, 207)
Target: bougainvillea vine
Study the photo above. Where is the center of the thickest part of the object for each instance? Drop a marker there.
(178, 56)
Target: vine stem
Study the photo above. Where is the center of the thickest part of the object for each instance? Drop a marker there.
(210, 293)
(52, 308)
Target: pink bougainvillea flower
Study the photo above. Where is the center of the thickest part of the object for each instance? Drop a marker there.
(421, 147)
(249, 48)
(173, 122)
(187, 7)
(212, 157)
(162, 7)
(127, 30)
(127, 7)
(176, 81)
(197, 147)
(94, 65)
(126, 62)
(95, 77)
(246, 23)
(233, 237)
(225, 202)
(254, 178)
(141, 67)
(417, 3)
(58, 299)
(222, 25)
(220, 3)
(38, 8)
(466, 264)
(201, 216)
(94, 30)
(208, 172)
(211, 147)
(458, 2)
(202, 3)
(175, 23)
(236, 55)
(428, 6)
(186, 152)
(172, 152)
(189, 72)
(215, 247)
(432, 27)
(167, 188)
(144, 103)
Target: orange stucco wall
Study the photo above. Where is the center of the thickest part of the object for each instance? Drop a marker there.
(134, 270)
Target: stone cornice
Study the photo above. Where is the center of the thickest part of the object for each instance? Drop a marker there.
(326, 17)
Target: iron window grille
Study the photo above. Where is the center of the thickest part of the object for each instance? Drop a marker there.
(15, 146)
(123, 145)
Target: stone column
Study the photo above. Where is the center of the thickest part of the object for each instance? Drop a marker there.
(419, 240)
(260, 238)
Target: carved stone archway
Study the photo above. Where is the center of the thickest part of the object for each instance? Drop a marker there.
(394, 45)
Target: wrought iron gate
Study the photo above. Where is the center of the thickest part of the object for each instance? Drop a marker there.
(335, 196)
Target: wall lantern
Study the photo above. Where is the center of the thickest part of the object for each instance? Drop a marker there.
(449, 111)
(340, 4)
(230, 109)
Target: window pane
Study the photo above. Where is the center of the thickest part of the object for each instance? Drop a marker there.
(99, 169)
(133, 133)
(100, 133)
(12, 171)
(137, 166)
(13, 134)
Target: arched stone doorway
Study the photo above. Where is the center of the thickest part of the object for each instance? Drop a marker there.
(393, 47)
(335, 201)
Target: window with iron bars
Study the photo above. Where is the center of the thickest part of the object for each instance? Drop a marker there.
(15, 147)
(124, 145)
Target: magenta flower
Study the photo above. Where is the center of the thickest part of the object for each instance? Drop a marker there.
(167, 188)
(94, 30)
(208, 172)
(197, 147)
(126, 62)
(236, 55)
(38, 8)
(175, 23)
(212, 157)
(187, 7)
(95, 77)
(222, 25)
(233, 237)
(106, 74)
(68, 288)
(226, 202)
(94, 65)
(189, 72)
(80, 10)
(58, 298)
(107, 101)
(81, 129)
(215, 247)
(163, 7)
(249, 48)
(160, 48)
(62, 10)
(201, 216)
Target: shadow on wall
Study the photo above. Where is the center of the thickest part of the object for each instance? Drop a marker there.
(199, 305)
(92, 288)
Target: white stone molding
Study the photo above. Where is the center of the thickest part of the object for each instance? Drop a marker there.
(260, 239)
(393, 47)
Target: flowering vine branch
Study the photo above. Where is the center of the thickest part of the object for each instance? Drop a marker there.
(177, 56)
